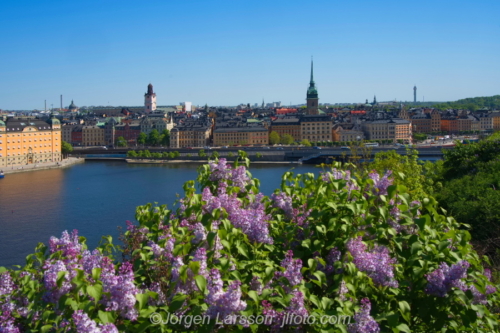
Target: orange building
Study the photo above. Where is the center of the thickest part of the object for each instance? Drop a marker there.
(25, 141)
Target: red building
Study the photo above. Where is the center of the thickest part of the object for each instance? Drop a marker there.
(283, 111)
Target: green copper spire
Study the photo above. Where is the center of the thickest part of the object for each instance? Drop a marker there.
(312, 92)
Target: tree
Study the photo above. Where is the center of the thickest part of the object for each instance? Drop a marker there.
(201, 153)
(274, 138)
(153, 138)
(287, 139)
(132, 153)
(121, 142)
(165, 138)
(66, 148)
(141, 139)
(305, 142)
(258, 155)
(215, 154)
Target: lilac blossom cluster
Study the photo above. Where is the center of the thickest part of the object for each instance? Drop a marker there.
(252, 220)
(363, 322)
(441, 280)
(223, 303)
(296, 215)
(7, 287)
(221, 171)
(376, 264)
(339, 174)
(380, 185)
(295, 309)
(86, 325)
(395, 214)
(292, 269)
(122, 291)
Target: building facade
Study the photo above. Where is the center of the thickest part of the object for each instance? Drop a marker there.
(93, 136)
(287, 125)
(316, 128)
(250, 135)
(26, 141)
(394, 129)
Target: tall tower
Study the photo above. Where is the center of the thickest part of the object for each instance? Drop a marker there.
(149, 100)
(312, 95)
(415, 94)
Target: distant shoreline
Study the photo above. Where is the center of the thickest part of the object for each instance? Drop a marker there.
(43, 166)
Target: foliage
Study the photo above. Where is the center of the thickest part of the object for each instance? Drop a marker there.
(215, 154)
(132, 153)
(274, 138)
(153, 138)
(472, 104)
(420, 136)
(141, 138)
(66, 148)
(287, 139)
(305, 142)
(334, 245)
(258, 155)
(121, 142)
(201, 153)
(165, 138)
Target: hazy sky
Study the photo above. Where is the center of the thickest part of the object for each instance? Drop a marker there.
(230, 52)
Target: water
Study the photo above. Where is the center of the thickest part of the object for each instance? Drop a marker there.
(95, 198)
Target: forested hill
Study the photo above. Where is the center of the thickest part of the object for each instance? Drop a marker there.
(473, 103)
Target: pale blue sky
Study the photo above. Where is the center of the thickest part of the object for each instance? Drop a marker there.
(231, 52)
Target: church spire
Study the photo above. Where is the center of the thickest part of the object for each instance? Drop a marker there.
(312, 78)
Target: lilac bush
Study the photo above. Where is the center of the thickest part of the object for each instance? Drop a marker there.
(346, 244)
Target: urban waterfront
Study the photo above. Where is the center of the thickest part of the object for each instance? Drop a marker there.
(95, 198)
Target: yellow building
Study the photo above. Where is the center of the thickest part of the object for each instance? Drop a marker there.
(93, 136)
(249, 135)
(26, 141)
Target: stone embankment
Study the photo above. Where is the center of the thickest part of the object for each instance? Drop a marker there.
(43, 166)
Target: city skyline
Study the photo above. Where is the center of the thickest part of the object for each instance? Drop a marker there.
(227, 53)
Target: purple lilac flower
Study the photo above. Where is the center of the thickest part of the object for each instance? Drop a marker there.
(162, 298)
(223, 303)
(7, 324)
(364, 323)
(292, 269)
(86, 325)
(252, 220)
(480, 298)
(339, 174)
(95, 259)
(441, 280)
(7, 285)
(50, 281)
(376, 264)
(137, 232)
(381, 184)
(343, 290)
(199, 232)
(122, 292)
(332, 257)
(284, 202)
(68, 244)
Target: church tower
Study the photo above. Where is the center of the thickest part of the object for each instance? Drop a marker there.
(149, 100)
(312, 95)
(415, 94)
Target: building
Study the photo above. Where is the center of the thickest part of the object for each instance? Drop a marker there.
(347, 132)
(66, 132)
(27, 141)
(153, 121)
(241, 135)
(394, 129)
(287, 125)
(149, 100)
(93, 136)
(316, 128)
(190, 134)
(312, 96)
(72, 107)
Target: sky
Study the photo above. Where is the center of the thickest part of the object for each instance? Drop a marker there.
(106, 52)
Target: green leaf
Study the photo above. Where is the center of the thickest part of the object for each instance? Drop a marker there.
(95, 292)
(106, 317)
(201, 282)
(405, 310)
(243, 250)
(403, 328)
(194, 266)
(60, 278)
(415, 247)
(254, 296)
(142, 299)
(321, 277)
(96, 273)
(177, 302)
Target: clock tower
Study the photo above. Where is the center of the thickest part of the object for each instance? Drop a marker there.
(149, 100)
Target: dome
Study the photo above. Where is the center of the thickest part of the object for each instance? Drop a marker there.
(53, 121)
(72, 106)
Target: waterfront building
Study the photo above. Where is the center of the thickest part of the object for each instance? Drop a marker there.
(312, 96)
(66, 132)
(485, 122)
(93, 136)
(316, 128)
(287, 125)
(394, 129)
(149, 100)
(190, 134)
(254, 134)
(26, 141)
(347, 132)
(153, 121)
(449, 124)
(129, 130)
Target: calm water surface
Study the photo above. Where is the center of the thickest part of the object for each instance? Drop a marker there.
(95, 198)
